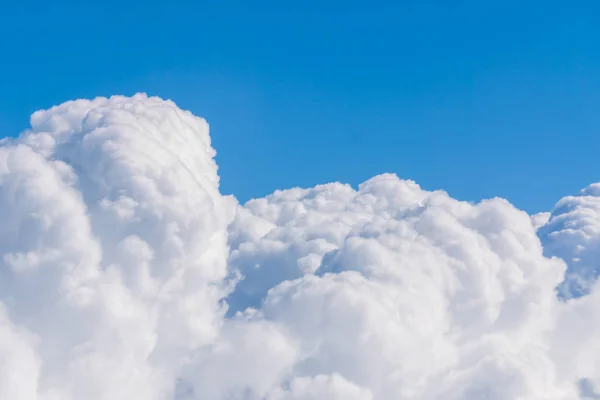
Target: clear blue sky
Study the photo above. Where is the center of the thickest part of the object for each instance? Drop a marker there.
(480, 98)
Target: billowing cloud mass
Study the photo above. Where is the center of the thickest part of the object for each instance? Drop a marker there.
(125, 274)
(573, 234)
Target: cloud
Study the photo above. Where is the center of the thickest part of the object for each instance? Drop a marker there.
(573, 234)
(126, 274)
(415, 295)
(113, 248)
(540, 219)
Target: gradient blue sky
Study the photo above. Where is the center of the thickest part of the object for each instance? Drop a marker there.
(480, 98)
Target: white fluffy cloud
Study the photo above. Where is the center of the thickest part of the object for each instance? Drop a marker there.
(125, 274)
(573, 234)
(113, 250)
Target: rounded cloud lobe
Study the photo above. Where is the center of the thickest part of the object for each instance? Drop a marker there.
(573, 234)
(114, 249)
(126, 274)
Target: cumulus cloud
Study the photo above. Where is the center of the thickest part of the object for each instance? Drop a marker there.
(126, 274)
(573, 234)
(114, 249)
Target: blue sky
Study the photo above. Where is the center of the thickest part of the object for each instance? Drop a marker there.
(481, 99)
